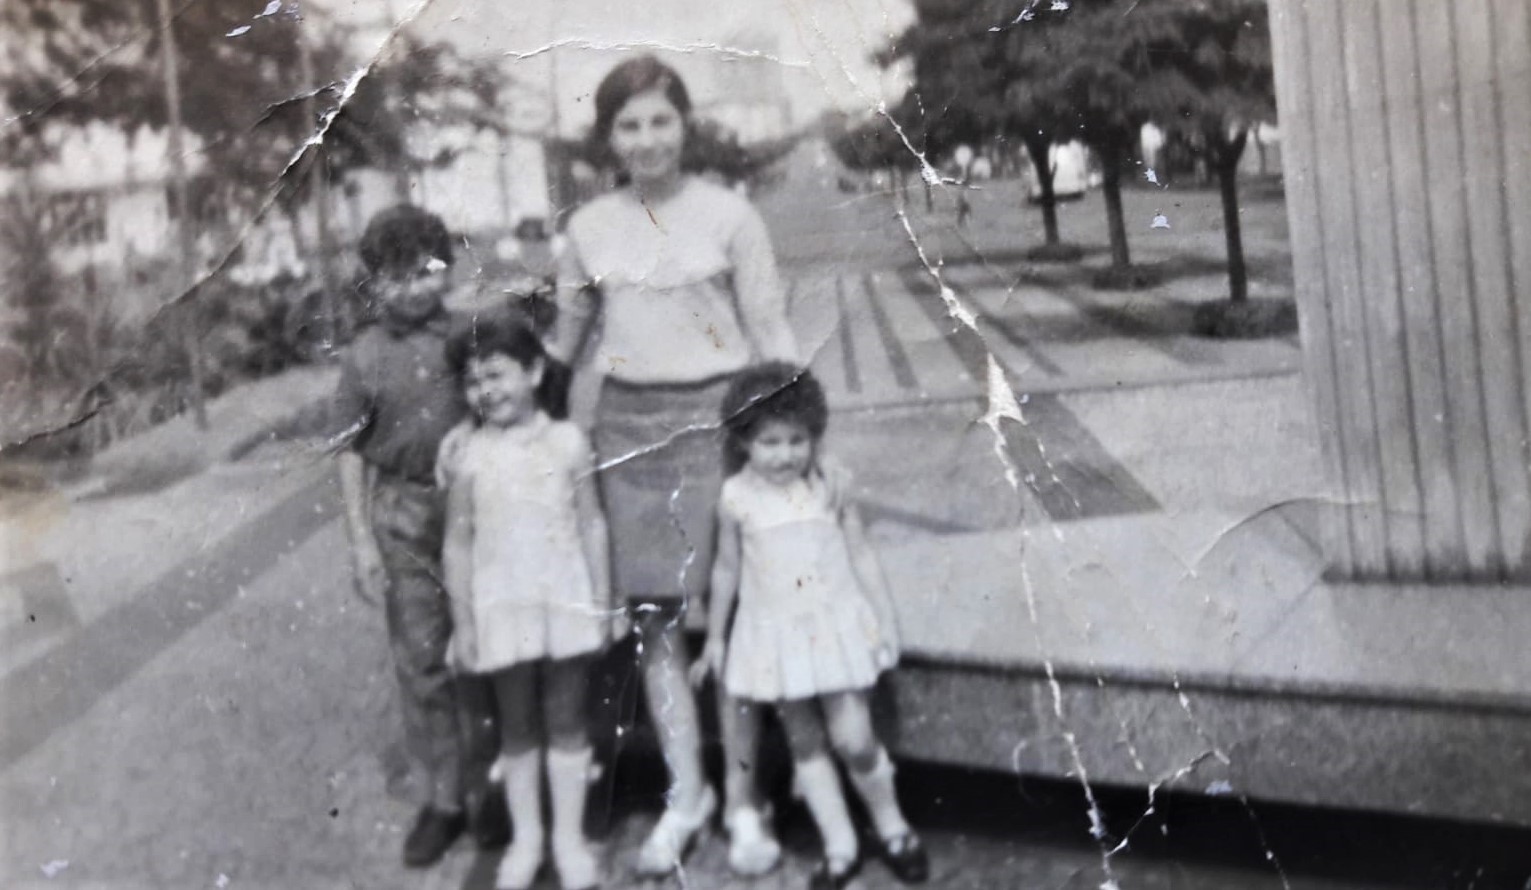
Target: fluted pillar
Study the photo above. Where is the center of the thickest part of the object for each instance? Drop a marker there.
(1406, 139)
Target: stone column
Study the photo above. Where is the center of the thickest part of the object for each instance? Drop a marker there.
(1406, 141)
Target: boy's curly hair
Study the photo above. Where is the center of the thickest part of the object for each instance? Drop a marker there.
(404, 236)
(772, 391)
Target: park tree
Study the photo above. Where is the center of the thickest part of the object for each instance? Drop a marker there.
(412, 81)
(87, 61)
(255, 84)
(983, 72)
(1116, 73)
(952, 100)
(712, 146)
(1035, 109)
(252, 89)
(1226, 63)
(1097, 71)
(890, 140)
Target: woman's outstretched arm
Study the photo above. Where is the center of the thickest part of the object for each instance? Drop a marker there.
(762, 297)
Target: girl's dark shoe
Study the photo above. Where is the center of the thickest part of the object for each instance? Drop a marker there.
(905, 856)
(833, 874)
(434, 833)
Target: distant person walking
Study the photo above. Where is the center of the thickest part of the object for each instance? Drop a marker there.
(676, 278)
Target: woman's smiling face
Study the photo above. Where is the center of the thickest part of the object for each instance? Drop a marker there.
(648, 135)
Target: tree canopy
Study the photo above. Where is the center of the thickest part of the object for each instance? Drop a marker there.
(1092, 70)
(252, 88)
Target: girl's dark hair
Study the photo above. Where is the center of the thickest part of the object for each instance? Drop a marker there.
(623, 82)
(404, 237)
(508, 333)
(772, 391)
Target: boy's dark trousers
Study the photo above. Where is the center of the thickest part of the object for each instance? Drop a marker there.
(450, 730)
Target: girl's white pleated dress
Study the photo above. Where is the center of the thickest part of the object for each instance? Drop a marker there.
(532, 595)
(804, 626)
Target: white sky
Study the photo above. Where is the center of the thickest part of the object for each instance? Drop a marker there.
(823, 46)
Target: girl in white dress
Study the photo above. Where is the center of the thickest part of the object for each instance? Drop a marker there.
(814, 626)
(526, 565)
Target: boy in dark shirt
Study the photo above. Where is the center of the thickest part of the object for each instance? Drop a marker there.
(395, 402)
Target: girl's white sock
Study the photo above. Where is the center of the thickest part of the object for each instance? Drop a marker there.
(522, 774)
(877, 791)
(820, 784)
(568, 783)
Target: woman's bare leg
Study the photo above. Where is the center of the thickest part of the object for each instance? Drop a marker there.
(665, 659)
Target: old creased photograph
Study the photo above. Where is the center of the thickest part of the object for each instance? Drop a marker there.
(775, 444)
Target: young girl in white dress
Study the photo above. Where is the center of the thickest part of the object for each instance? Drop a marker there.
(814, 626)
(526, 566)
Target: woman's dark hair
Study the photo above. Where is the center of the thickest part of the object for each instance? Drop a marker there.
(623, 82)
(772, 391)
(508, 333)
(404, 237)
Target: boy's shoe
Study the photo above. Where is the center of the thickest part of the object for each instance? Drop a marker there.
(905, 856)
(833, 874)
(672, 837)
(434, 833)
(491, 819)
(752, 849)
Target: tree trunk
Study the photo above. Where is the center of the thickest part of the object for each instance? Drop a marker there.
(1038, 150)
(1116, 223)
(1226, 157)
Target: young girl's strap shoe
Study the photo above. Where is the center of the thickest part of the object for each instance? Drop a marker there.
(905, 856)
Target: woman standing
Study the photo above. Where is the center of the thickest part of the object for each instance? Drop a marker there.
(677, 279)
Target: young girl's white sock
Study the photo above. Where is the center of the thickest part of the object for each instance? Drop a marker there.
(568, 775)
(880, 796)
(522, 774)
(820, 784)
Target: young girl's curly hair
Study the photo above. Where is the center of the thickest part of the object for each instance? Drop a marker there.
(507, 332)
(772, 391)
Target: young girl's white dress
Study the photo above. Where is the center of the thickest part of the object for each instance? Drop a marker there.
(804, 626)
(532, 596)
